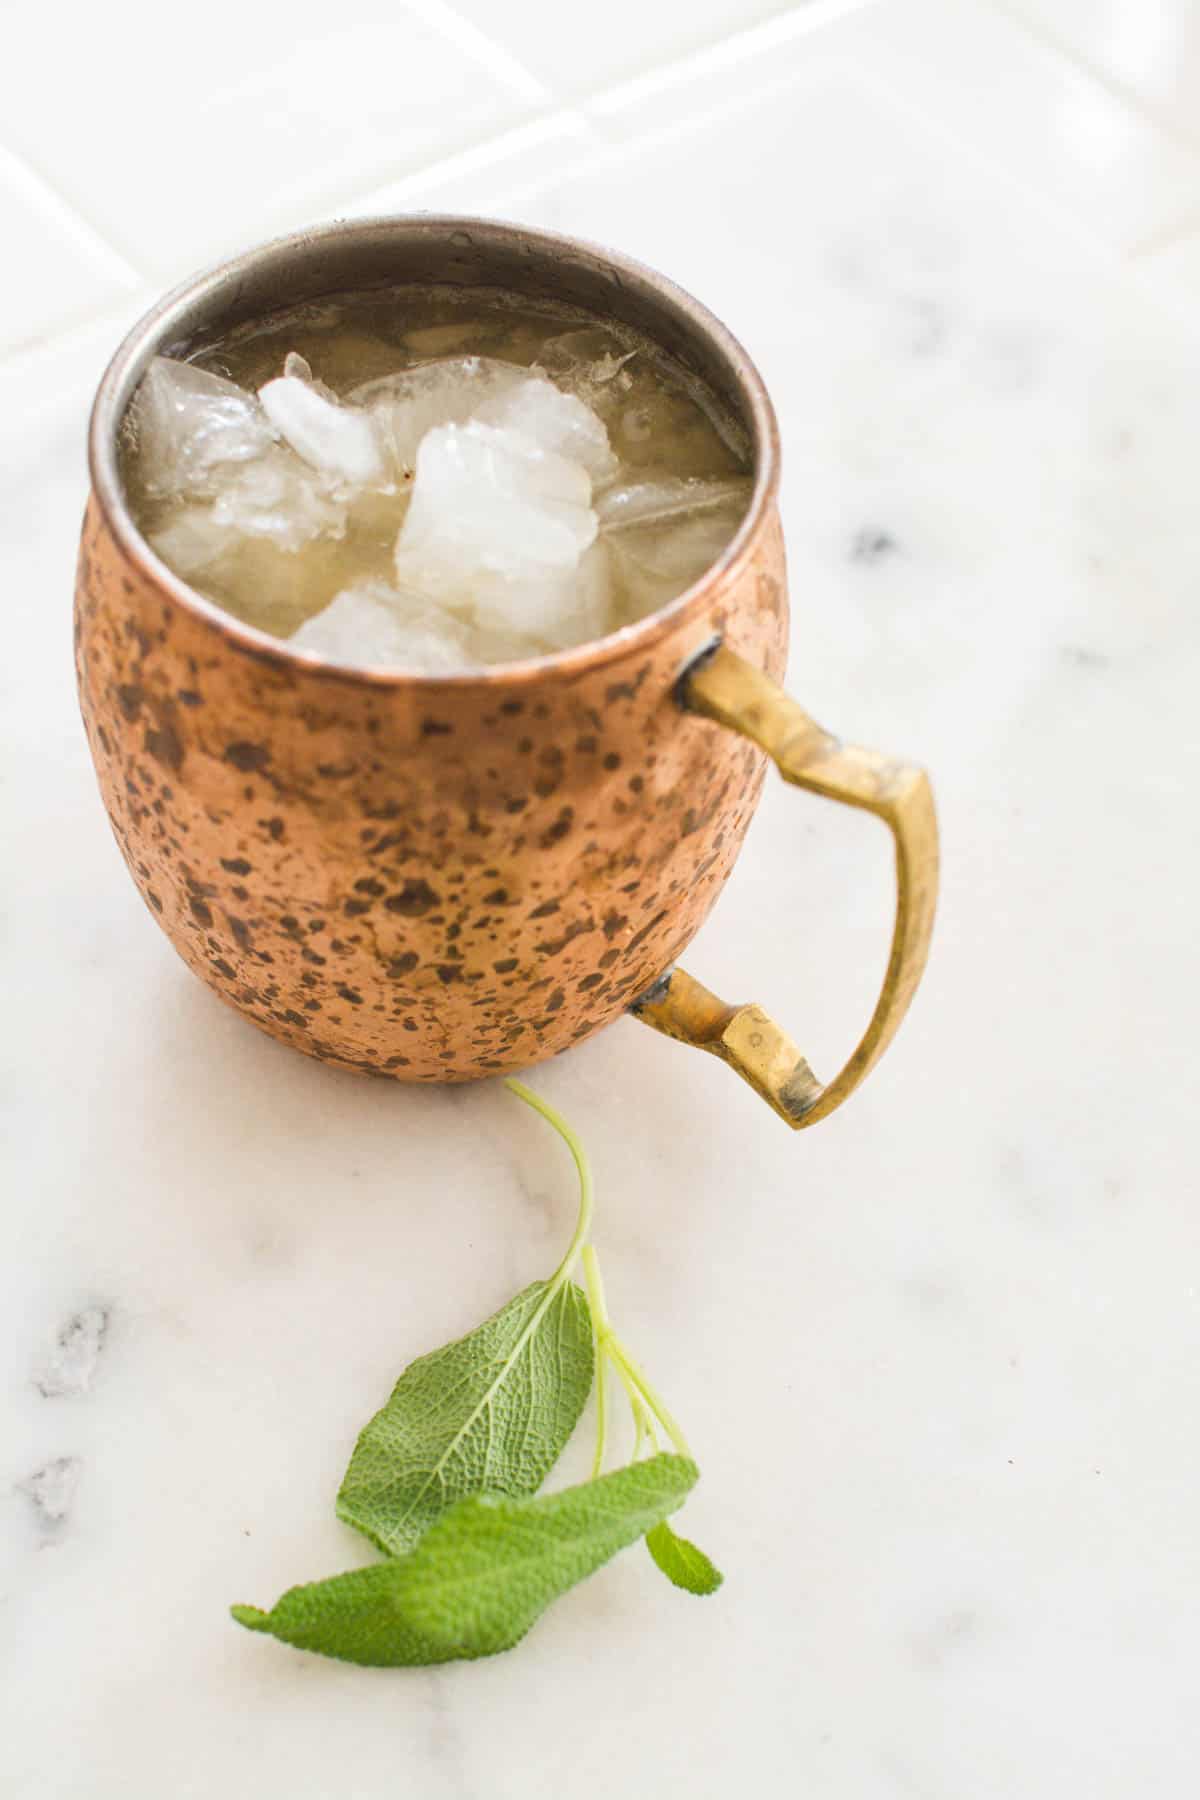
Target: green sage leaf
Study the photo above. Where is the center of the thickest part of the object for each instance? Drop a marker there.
(481, 1575)
(681, 1561)
(489, 1413)
(496, 1565)
(349, 1616)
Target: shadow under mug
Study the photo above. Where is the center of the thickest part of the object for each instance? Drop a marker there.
(440, 878)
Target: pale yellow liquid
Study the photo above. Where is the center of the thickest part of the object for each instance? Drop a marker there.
(661, 421)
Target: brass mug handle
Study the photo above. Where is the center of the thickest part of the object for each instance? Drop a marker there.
(721, 685)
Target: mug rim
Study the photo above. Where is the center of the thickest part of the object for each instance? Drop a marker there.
(115, 391)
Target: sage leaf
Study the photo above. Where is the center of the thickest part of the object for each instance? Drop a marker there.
(484, 1575)
(681, 1561)
(349, 1616)
(481, 1575)
(490, 1413)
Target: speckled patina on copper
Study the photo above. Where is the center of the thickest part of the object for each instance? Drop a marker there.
(433, 880)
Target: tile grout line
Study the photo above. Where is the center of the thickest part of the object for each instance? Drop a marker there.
(498, 61)
(543, 126)
(791, 21)
(1047, 205)
(1128, 97)
(441, 18)
(607, 153)
(728, 51)
(932, 122)
(411, 187)
(784, 27)
(445, 22)
(46, 199)
(592, 150)
(61, 342)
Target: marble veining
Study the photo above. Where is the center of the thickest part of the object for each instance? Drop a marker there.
(70, 1366)
(871, 543)
(52, 1490)
(938, 1356)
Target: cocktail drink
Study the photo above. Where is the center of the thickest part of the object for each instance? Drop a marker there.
(432, 480)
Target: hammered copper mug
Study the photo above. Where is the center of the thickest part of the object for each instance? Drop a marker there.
(439, 878)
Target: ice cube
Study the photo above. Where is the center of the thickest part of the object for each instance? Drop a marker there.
(498, 529)
(276, 497)
(187, 425)
(341, 359)
(584, 612)
(376, 625)
(338, 440)
(546, 609)
(590, 364)
(190, 540)
(671, 497)
(555, 421)
(447, 391)
(590, 357)
(300, 369)
(272, 588)
(642, 409)
(281, 498)
(663, 535)
(650, 414)
(486, 499)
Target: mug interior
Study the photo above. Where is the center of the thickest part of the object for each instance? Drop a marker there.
(364, 255)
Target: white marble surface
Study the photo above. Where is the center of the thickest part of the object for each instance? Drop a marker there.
(938, 1357)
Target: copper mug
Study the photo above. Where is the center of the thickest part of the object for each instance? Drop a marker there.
(439, 878)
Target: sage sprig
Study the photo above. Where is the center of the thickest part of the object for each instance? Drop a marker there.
(444, 1479)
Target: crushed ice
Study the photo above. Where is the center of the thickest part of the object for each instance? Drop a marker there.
(337, 440)
(189, 425)
(382, 626)
(521, 528)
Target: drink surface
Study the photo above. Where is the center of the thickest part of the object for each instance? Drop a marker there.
(432, 478)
